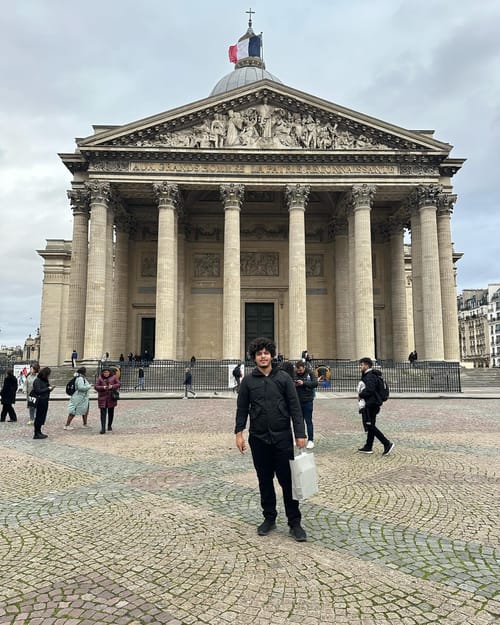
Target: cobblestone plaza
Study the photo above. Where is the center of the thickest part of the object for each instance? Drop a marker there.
(156, 521)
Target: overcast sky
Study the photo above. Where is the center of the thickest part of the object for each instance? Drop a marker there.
(426, 64)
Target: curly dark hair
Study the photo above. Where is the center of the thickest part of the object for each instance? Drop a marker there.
(260, 343)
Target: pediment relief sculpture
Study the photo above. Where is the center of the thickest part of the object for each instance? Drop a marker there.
(264, 126)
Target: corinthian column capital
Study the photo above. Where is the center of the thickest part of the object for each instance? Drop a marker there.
(425, 195)
(446, 203)
(362, 195)
(79, 199)
(232, 194)
(167, 194)
(99, 190)
(297, 196)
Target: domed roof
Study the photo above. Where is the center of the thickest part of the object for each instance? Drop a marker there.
(242, 76)
(248, 69)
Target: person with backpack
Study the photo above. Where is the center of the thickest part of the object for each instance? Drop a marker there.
(78, 388)
(237, 377)
(372, 392)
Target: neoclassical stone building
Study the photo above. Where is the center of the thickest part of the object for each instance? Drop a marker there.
(257, 210)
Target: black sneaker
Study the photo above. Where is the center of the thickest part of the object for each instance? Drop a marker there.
(365, 450)
(267, 526)
(297, 531)
(388, 448)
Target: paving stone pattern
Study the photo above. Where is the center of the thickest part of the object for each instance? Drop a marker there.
(156, 521)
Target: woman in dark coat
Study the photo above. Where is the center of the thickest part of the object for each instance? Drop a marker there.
(106, 383)
(8, 393)
(41, 390)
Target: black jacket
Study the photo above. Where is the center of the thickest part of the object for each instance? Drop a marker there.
(9, 389)
(41, 388)
(370, 392)
(305, 391)
(271, 401)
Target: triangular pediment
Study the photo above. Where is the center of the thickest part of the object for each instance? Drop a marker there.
(263, 116)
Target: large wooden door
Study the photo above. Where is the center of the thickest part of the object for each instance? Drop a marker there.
(148, 336)
(259, 321)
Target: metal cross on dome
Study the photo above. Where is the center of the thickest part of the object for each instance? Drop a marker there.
(250, 13)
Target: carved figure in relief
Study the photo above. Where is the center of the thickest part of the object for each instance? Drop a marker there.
(148, 268)
(217, 133)
(234, 126)
(206, 266)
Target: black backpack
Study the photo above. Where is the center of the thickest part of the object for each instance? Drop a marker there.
(71, 386)
(382, 389)
(237, 372)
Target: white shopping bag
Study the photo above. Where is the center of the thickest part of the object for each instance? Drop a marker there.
(304, 477)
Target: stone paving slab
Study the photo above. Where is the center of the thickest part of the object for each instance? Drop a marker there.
(155, 522)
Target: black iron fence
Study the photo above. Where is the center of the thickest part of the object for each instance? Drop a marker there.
(334, 375)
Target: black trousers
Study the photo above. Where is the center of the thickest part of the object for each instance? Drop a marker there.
(42, 407)
(111, 414)
(270, 460)
(369, 417)
(8, 409)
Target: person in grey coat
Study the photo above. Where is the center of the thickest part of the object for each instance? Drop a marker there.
(79, 401)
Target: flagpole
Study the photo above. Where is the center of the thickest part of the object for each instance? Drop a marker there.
(262, 54)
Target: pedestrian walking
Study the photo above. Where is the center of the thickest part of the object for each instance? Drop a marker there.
(28, 387)
(140, 379)
(269, 398)
(79, 402)
(237, 377)
(369, 402)
(107, 386)
(305, 385)
(8, 393)
(42, 388)
(188, 383)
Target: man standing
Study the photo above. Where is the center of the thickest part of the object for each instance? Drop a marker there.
(268, 395)
(74, 358)
(237, 377)
(369, 406)
(305, 383)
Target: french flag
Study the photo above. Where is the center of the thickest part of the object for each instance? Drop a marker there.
(248, 47)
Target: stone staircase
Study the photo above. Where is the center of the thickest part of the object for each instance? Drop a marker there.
(480, 378)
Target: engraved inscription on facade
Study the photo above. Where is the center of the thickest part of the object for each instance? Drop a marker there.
(207, 265)
(269, 169)
(315, 265)
(259, 263)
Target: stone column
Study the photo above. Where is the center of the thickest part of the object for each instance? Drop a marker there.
(96, 304)
(350, 288)
(297, 196)
(120, 286)
(416, 279)
(362, 197)
(342, 291)
(181, 291)
(447, 275)
(431, 281)
(110, 253)
(168, 195)
(79, 198)
(400, 347)
(232, 197)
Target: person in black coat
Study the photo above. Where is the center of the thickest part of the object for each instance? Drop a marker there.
(369, 403)
(41, 391)
(8, 393)
(268, 396)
